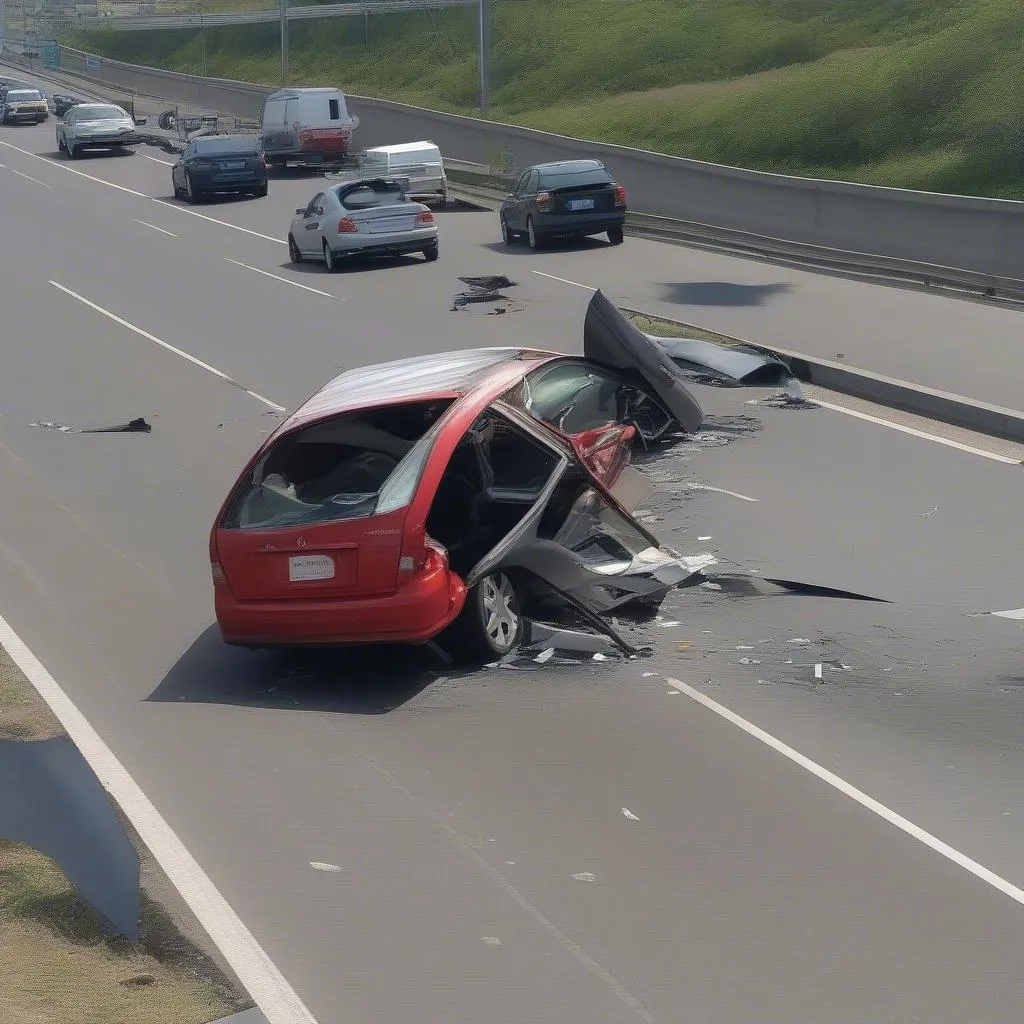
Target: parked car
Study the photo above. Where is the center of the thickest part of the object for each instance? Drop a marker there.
(564, 198)
(446, 495)
(365, 217)
(220, 163)
(307, 126)
(420, 162)
(23, 106)
(95, 126)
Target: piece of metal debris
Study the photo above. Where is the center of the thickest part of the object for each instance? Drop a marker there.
(318, 865)
(585, 876)
(136, 426)
(627, 813)
(817, 671)
(750, 661)
(790, 397)
(734, 365)
(483, 289)
(930, 512)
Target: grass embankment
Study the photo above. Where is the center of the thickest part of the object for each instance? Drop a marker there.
(915, 93)
(59, 961)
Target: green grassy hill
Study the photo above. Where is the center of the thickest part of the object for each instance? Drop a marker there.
(915, 93)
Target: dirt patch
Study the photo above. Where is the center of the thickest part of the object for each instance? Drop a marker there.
(60, 962)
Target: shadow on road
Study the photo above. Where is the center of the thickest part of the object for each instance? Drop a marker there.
(720, 293)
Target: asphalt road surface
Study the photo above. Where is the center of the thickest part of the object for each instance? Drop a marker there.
(488, 868)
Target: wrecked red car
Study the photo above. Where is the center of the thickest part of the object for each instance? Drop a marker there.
(442, 496)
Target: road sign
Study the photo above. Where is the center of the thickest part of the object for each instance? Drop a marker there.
(51, 54)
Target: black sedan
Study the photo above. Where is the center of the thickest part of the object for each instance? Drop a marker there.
(220, 163)
(565, 198)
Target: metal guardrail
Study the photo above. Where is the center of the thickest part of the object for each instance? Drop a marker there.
(942, 241)
(149, 22)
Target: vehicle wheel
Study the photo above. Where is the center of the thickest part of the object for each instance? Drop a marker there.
(191, 194)
(293, 250)
(615, 236)
(535, 238)
(490, 624)
(72, 150)
(508, 236)
(60, 145)
(431, 253)
(261, 192)
(329, 261)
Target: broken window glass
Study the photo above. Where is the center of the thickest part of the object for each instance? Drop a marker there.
(341, 468)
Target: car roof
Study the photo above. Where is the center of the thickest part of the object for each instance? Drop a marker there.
(403, 147)
(568, 165)
(441, 374)
(291, 94)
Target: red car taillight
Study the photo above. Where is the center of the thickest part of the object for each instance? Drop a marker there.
(544, 202)
(432, 558)
(620, 195)
(424, 218)
(219, 579)
(346, 226)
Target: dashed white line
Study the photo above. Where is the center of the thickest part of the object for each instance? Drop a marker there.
(142, 195)
(146, 224)
(720, 490)
(157, 160)
(257, 972)
(844, 787)
(283, 280)
(27, 177)
(163, 344)
(564, 280)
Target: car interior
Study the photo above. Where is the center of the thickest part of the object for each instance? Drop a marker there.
(494, 477)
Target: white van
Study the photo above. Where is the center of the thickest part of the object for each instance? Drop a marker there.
(420, 162)
(308, 126)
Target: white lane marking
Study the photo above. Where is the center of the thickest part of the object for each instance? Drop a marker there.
(257, 972)
(157, 160)
(564, 280)
(918, 433)
(27, 177)
(1012, 613)
(719, 490)
(163, 344)
(142, 195)
(283, 280)
(146, 224)
(844, 787)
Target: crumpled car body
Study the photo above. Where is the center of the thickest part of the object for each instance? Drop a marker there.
(438, 496)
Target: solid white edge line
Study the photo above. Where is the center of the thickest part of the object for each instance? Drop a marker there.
(564, 280)
(157, 160)
(917, 433)
(844, 787)
(720, 490)
(257, 972)
(146, 224)
(283, 280)
(142, 195)
(28, 177)
(163, 344)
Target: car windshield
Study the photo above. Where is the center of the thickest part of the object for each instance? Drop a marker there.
(574, 177)
(97, 113)
(215, 146)
(346, 467)
(370, 194)
(18, 95)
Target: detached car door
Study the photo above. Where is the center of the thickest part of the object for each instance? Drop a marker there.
(612, 341)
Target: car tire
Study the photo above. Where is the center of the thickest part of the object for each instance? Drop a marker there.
(293, 250)
(491, 623)
(191, 194)
(616, 236)
(330, 262)
(71, 150)
(534, 237)
(261, 192)
(431, 253)
(508, 236)
(60, 145)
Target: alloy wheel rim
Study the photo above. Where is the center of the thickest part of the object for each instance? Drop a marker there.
(501, 617)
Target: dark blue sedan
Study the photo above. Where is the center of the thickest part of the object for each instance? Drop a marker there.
(220, 163)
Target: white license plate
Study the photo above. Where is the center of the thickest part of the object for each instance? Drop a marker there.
(302, 568)
(392, 225)
(232, 165)
(581, 204)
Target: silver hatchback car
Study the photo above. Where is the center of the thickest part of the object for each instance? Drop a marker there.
(362, 217)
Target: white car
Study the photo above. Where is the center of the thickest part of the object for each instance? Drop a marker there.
(95, 126)
(364, 217)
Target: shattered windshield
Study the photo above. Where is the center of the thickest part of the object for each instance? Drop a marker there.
(342, 468)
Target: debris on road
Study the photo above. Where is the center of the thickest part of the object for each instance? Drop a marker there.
(136, 426)
(706, 362)
(482, 289)
(930, 512)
